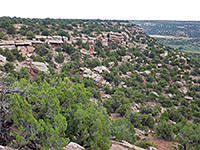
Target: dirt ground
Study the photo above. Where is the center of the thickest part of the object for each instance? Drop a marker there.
(162, 144)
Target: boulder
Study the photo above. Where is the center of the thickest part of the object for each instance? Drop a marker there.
(159, 65)
(147, 71)
(100, 69)
(87, 73)
(139, 132)
(129, 73)
(135, 109)
(170, 95)
(126, 58)
(188, 98)
(183, 90)
(6, 148)
(164, 54)
(85, 52)
(124, 146)
(111, 64)
(73, 146)
(155, 93)
(106, 96)
(30, 49)
(39, 66)
(179, 83)
(152, 148)
(2, 59)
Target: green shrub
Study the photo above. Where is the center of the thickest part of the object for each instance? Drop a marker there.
(145, 144)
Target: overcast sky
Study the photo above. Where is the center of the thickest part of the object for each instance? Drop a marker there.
(103, 9)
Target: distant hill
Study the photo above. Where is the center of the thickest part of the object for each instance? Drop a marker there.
(184, 35)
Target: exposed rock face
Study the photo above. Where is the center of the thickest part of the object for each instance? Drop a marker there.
(6, 148)
(164, 54)
(23, 43)
(179, 83)
(183, 90)
(152, 148)
(147, 72)
(7, 44)
(2, 59)
(155, 93)
(135, 108)
(140, 133)
(126, 58)
(188, 98)
(106, 96)
(116, 38)
(87, 73)
(86, 52)
(3, 43)
(100, 69)
(73, 146)
(39, 66)
(124, 146)
(111, 64)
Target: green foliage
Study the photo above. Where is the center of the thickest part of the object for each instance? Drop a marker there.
(145, 144)
(68, 48)
(165, 102)
(24, 73)
(189, 136)
(63, 33)
(10, 29)
(150, 110)
(39, 117)
(9, 67)
(45, 32)
(122, 129)
(117, 99)
(42, 50)
(147, 120)
(123, 109)
(93, 63)
(18, 55)
(134, 118)
(90, 127)
(3, 36)
(37, 58)
(59, 58)
(9, 55)
(75, 56)
(70, 100)
(164, 130)
(30, 35)
(98, 43)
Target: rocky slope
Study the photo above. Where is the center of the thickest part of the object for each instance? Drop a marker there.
(109, 56)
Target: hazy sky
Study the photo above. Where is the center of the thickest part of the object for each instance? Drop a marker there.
(103, 9)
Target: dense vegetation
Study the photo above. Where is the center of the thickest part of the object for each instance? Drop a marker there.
(150, 85)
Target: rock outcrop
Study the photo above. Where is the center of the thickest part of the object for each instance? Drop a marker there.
(73, 146)
(124, 146)
(6, 148)
(2, 59)
(39, 66)
(164, 54)
(152, 148)
(100, 69)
